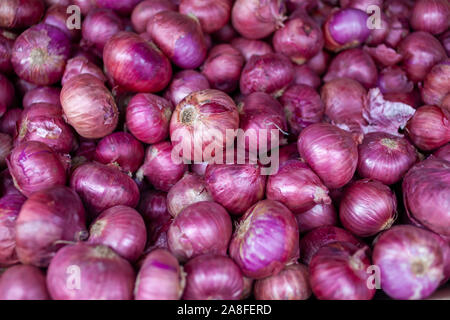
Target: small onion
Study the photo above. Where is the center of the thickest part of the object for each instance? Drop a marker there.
(411, 262)
(319, 63)
(21, 14)
(201, 228)
(145, 10)
(48, 95)
(383, 55)
(9, 120)
(443, 152)
(85, 5)
(437, 84)
(81, 65)
(23, 282)
(5, 148)
(184, 83)
(225, 34)
(378, 34)
(213, 277)
(394, 80)
(265, 240)
(160, 277)
(249, 48)
(292, 283)
(320, 215)
(103, 275)
(57, 16)
(305, 75)
(431, 16)
(212, 15)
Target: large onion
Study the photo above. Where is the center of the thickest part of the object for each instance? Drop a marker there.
(21, 14)
(23, 282)
(213, 15)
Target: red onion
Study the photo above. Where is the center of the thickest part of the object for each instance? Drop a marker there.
(288, 152)
(59, 214)
(160, 277)
(320, 215)
(122, 229)
(24, 86)
(385, 157)
(35, 166)
(426, 191)
(85, 5)
(400, 8)
(292, 283)
(443, 152)
(102, 187)
(379, 34)
(249, 48)
(338, 271)
(270, 73)
(159, 168)
(57, 16)
(223, 67)
(354, 64)
(421, 52)
(410, 98)
(297, 187)
(300, 39)
(89, 272)
(445, 39)
(330, 152)
(145, 10)
(399, 29)
(213, 277)
(200, 123)
(212, 15)
(124, 7)
(7, 186)
(429, 128)
(21, 13)
(47, 95)
(89, 107)
(57, 2)
(394, 80)
(189, 190)
(225, 34)
(180, 37)
(257, 19)
(305, 75)
(383, 55)
(23, 282)
(360, 4)
(5, 148)
(6, 94)
(319, 63)
(184, 83)
(202, 228)
(235, 186)
(431, 16)
(446, 102)
(40, 53)
(410, 261)
(120, 149)
(135, 64)
(265, 240)
(81, 65)
(6, 44)
(437, 84)
(9, 120)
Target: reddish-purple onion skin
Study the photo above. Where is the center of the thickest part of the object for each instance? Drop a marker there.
(235, 186)
(124, 7)
(270, 73)
(360, 4)
(81, 65)
(213, 277)
(102, 187)
(184, 83)
(223, 67)
(355, 64)
(320, 215)
(57, 16)
(437, 84)
(338, 271)
(160, 277)
(24, 86)
(201, 228)
(394, 80)
(297, 187)
(411, 262)
(385, 157)
(225, 34)
(303, 74)
(379, 35)
(257, 19)
(420, 51)
(122, 229)
(383, 55)
(288, 152)
(265, 240)
(426, 194)
(58, 212)
(35, 166)
(5, 148)
(319, 63)
(135, 64)
(292, 283)
(212, 15)
(300, 38)
(23, 282)
(189, 190)
(145, 10)
(443, 152)
(249, 47)
(20, 13)
(85, 6)
(159, 168)
(321, 236)
(48, 95)
(180, 37)
(432, 16)
(331, 152)
(6, 44)
(40, 53)
(104, 275)
(445, 39)
(7, 93)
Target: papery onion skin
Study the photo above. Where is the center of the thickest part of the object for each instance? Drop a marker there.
(81, 65)
(40, 53)
(437, 84)
(443, 152)
(57, 16)
(410, 261)
(104, 275)
(145, 10)
(189, 190)
(319, 143)
(385, 157)
(123, 7)
(292, 283)
(384, 55)
(265, 240)
(184, 83)
(431, 16)
(59, 211)
(48, 95)
(89, 107)
(212, 15)
(102, 187)
(213, 277)
(320, 215)
(135, 64)
(338, 271)
(305, 75)
(23, 282)
(35, 166)
(160, 277)
(8, 121)
(180, 37)
(21, 13)
(201, 228)
(249, 47)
